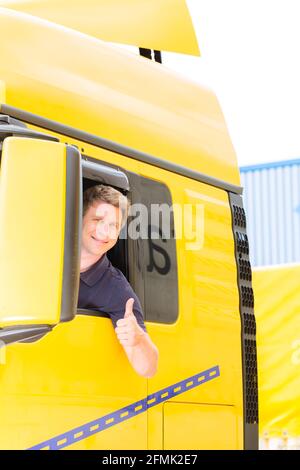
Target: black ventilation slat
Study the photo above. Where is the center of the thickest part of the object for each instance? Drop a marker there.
(247, 319)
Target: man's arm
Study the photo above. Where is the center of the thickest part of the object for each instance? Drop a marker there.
(140, 350)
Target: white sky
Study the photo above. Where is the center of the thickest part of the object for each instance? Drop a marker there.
(250, 56)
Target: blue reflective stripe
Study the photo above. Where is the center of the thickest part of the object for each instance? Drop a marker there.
(134, 409)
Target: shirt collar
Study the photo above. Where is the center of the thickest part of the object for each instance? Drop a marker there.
(95, 272)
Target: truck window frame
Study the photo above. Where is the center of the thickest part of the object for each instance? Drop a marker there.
(129, 255)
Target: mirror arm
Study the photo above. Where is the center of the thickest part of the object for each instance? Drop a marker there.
(23, 333)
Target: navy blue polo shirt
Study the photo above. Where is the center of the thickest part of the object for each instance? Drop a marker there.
(105, 288)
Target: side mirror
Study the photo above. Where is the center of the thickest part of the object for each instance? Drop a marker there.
(40, 231)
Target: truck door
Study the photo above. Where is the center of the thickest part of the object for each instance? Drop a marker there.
(65, 381)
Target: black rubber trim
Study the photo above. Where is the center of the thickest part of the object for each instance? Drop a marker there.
(92, 313)
(150, 54)
(11, 130)
(117, 148)
(105, 175)
(72, 242)
(15, 334)
(248, 324)
(13, 127)
(5, 120)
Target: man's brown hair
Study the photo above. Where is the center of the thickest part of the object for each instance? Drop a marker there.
(108, 195)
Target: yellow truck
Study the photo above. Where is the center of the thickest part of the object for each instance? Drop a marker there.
(76, 111)
(277, 308)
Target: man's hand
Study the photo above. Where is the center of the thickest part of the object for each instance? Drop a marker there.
(128, 331)
(140, 350)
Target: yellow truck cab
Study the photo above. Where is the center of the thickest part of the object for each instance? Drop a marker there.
(75, 112)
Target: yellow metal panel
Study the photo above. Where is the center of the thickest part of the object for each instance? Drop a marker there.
(82, 82)
(32, 220)
(74, 375)
(277, 309)
(155, 24)
(199, 426)
(208, 330)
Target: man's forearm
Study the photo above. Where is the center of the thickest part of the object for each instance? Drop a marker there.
(144, 356)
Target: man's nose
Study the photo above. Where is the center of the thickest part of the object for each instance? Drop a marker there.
(102, 231)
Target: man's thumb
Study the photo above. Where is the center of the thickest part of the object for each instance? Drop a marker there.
(129, 308)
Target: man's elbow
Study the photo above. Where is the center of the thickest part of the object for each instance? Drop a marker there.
(150, 374)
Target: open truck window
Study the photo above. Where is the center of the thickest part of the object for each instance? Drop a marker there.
(146, 249)
(152, 257)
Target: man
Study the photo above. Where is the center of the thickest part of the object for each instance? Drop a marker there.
(103, 286)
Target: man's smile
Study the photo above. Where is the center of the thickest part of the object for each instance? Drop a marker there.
(100, 242)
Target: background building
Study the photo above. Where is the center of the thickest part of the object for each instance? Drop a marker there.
(272, 204)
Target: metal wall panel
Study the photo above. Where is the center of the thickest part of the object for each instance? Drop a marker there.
(272, 204)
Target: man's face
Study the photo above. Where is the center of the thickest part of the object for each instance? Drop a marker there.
(101, 227)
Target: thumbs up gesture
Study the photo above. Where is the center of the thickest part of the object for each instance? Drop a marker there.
(128, 331)
(129, 308)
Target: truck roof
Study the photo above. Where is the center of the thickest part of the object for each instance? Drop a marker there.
(83, 82)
